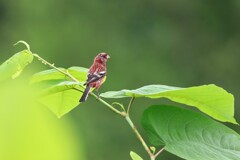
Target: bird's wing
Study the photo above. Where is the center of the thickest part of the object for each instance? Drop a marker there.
(95, 77)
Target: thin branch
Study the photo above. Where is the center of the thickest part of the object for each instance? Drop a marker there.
(108, 105)
(160, 151)
(52, 66)
(134, 128)
(130, 104)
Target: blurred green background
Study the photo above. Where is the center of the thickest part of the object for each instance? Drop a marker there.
(177, 43)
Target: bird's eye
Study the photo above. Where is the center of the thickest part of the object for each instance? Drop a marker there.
(103, 56)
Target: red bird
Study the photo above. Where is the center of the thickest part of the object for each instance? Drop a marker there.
(96, 74)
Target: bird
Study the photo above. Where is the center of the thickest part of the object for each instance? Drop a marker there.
(96, 74)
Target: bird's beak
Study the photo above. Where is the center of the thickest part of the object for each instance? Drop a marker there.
(108, 56)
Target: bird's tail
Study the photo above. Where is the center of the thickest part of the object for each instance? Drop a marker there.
(85, 94)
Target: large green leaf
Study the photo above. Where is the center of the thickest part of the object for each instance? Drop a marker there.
(61, 97)
(210, 99)
(57, 91)
(189, 134)
(14, 66)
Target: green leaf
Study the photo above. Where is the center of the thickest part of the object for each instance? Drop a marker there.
(190, 135)
(80, 73)
(51, 74)
(135, 156)
(61, 102)
(145, 91)
(60, 87)
(57, 91)
(14, 66)
(210, 99)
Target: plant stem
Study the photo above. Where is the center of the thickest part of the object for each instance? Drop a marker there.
(160, 151)
(130, 104)
(52, 66)
(152, 158)
(123, 113)
(134, 128)
(108, 105)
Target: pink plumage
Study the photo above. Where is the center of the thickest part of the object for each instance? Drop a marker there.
(96, 74)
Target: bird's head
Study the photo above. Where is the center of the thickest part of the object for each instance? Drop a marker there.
(102, 57)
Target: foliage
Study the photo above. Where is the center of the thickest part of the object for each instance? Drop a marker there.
(183, 132)
(57, 91)
(210, 99)
(14, 66)
(190, 135)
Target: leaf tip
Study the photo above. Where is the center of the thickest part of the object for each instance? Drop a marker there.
(59, 116)
(233, 120)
